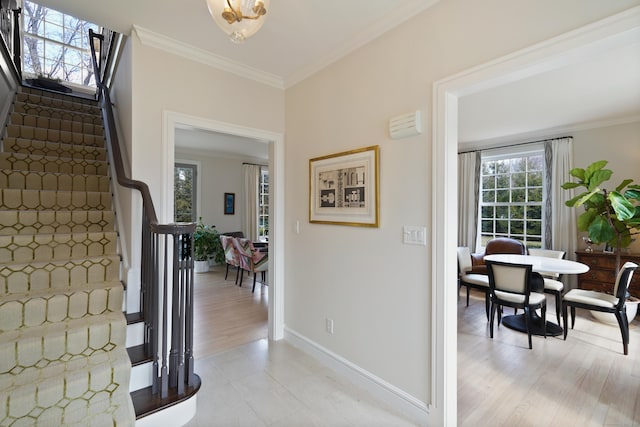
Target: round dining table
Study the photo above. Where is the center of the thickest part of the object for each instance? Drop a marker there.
(539, 264)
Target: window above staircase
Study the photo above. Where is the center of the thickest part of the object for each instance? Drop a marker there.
(56, 48)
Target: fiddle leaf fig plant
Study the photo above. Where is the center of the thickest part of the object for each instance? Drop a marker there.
(610, 216)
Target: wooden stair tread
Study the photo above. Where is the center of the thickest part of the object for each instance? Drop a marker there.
(145, 403)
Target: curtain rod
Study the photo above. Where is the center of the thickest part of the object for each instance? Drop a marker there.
(253, 164)
(513, 145)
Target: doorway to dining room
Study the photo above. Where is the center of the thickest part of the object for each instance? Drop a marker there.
(590, 40)
(228, 315)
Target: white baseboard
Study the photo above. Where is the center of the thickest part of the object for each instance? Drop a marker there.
(413, 408)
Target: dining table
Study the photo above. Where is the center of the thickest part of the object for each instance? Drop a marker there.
(539, 265)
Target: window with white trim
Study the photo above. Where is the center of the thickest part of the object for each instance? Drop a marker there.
(512, 198)
(56, 45)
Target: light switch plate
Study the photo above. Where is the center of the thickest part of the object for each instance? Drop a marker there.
(414, 235)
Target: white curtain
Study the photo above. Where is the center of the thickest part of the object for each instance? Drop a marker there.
(468, 189)
(251, 174)
(563, 229)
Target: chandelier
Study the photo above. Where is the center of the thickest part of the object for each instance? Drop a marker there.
(240, 19)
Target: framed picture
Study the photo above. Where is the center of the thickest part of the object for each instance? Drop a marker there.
(229, 203)
(608, 249)
(343, 188)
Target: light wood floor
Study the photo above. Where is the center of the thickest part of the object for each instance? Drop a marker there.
(250, 381)
(226, 315)
(583, 381)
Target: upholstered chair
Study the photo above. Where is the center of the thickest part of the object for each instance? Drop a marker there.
(600, 301)
(472, 280)
(509, 286)
(231, 256)
(499, 245)
(251, 260)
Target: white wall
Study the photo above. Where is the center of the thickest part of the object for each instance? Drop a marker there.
(167, 83)
(162, 83)
(620, 145)
(377, 290)
(126, 216)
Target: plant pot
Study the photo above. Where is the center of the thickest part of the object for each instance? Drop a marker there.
(610, 318)
(201, 266)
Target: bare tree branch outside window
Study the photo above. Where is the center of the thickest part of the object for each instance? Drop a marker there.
(56, 45)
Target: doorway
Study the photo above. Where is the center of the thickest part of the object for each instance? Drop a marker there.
(592, 39)
(274, 142)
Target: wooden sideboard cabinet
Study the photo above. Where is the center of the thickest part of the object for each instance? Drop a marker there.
(602, 271)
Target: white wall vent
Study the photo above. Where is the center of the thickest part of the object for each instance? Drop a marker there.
(405, 125)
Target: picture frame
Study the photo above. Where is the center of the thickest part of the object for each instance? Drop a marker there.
(344, 188)
(608, 249)
(229, 203)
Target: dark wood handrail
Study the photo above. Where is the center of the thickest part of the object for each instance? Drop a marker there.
(17, 48)
(121, 175)
(167, 260)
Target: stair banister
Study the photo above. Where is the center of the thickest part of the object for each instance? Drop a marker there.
(162, 280)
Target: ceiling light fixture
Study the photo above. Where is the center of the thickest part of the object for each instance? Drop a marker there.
(239, 18)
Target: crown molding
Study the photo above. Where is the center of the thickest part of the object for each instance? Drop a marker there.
(175, 47)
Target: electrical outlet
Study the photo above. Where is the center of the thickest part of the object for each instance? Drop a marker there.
(328, 325)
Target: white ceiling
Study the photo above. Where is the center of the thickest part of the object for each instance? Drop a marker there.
(220, 144)
(595, 90)
(300, 37)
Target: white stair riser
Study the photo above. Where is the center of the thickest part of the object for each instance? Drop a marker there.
(141, 376)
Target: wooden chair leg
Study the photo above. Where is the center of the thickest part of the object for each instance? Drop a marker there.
(493, 315)
(621, 316)
(487, 297)
(558, 305)
(241, 277)
(565, 322)
(527, 313)
(254, 282)
(226, 273)
(544, 319)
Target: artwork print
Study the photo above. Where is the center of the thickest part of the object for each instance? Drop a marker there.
(344, 188)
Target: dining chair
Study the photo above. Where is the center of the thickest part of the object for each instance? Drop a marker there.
(231, 256)
(498, 245)
(600, 301)
(509, 286)
(251, 260)
(552, 283)
(472, 280)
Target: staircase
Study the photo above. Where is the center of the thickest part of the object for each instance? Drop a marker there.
(63, 360)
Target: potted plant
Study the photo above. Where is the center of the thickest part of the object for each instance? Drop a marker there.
(611, 216)
(206, 245)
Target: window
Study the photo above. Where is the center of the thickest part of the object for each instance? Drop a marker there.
(263, 206)
(511, 198)
(57, 45)
(185, 192)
